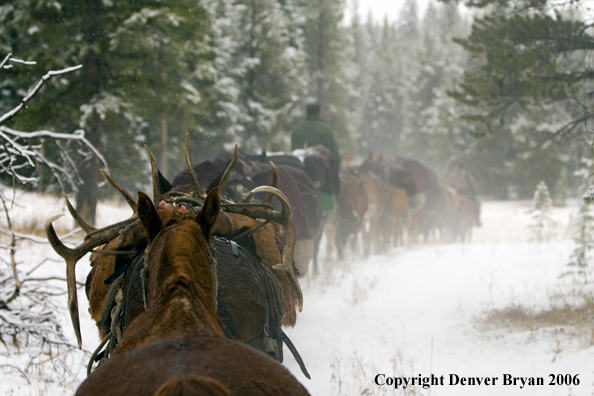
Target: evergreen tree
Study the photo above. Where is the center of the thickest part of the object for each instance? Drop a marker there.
(262, 70)
(409, 27)
(580, 264)
(433, 129)
(518, 96)
(528, 56)
(381, 110)
(326, 49)
(541, 212)
(136, 81)
(361, 42)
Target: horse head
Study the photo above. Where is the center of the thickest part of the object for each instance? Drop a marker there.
(179, 253)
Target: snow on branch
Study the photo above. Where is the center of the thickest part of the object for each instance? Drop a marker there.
(21, 152)
(29, 325)
(588, 196)
(6, 117)
(5, 60)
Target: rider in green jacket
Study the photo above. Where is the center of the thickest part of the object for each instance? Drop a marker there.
(313, 131)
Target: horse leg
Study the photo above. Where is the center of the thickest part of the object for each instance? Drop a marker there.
(330, 220)
(316, 248)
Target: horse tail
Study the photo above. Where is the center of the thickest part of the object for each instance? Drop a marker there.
(190, 386)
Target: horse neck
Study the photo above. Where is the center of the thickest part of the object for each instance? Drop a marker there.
(183, 288)
(182, 293)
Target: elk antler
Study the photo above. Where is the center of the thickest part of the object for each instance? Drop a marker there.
(270, 196)
(71, 256)
(227, 172)
(127, 196)
(160, 184)
(197, 187)
(286, 219)
(78, 218)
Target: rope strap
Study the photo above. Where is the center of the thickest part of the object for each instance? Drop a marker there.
(296, 354)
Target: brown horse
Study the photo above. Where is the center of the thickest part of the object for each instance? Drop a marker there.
(178, 345)
(350, 215)
(129, 238)
(378, 192)
(439, 217)
(466, 217)
(395, 218)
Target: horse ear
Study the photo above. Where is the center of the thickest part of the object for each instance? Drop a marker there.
(148, 215)
(209, 213)
(164, 184)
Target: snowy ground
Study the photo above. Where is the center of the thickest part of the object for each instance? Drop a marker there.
(414, 312)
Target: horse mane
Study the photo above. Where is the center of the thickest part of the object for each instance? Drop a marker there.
(184, 259)
(181, 283)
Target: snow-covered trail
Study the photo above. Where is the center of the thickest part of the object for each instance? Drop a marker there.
(413, 311)
(408, 312)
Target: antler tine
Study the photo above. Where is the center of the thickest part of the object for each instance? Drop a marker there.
(197, 187)
(287, 222)
(71, 256)
(155, 171)
(255, 212)
(77, 217)
(227, 172)
(270, 196)
(127, 196)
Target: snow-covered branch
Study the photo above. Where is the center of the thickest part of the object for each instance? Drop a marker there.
(22, 152)
(29, 325)
(9, 115)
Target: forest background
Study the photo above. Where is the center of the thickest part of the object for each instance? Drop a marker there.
(504, 88)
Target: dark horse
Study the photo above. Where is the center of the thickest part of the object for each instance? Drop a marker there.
(178, 345)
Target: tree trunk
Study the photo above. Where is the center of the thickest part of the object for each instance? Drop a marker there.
(88, 192)
(320, 53)
(95, 78)
(163, 165)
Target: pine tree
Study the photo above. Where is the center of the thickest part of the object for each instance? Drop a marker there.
(326, 48)
(137, 82)
(528, 53)
(262, 71)
(381, 114)
(541, 212)
(361, 37)
(580, 264)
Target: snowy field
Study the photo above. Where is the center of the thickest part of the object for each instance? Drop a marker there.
(412, 312)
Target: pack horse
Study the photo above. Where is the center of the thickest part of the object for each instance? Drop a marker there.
(180, 342)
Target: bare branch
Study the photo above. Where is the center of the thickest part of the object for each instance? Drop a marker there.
(8, 116)
(15, 274)
(5, 60)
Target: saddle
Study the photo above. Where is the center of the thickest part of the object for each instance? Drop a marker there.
(249, 301)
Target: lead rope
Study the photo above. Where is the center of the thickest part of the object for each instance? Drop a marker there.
(144, 279)
(213, 267)
(94, 355)
(114, 336)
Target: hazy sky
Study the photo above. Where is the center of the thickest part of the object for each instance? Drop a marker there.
(381, 8)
